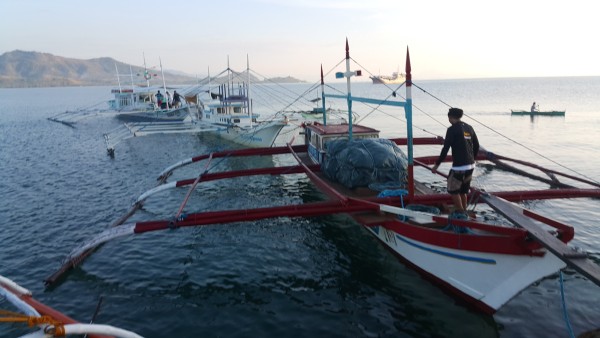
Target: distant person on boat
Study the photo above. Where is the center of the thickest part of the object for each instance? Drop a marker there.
(159, 99)
(176, 99)
(169, 100)
(534, 107)
(464, 143)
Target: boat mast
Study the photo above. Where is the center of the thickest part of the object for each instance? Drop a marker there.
(323, 97)
(409, 134)
(349, 92)
(164, 84)
(348, 74)
(147, 76)
(248, 89)
(131, 75)
(229, 79)
(118, 79)
(227, 88)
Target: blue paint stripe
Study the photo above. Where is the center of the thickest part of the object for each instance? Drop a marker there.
(448, 254)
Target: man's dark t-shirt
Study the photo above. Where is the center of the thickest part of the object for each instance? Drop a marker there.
(464, 143)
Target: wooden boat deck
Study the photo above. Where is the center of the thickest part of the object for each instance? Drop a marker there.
(577, 260)
(366, 193)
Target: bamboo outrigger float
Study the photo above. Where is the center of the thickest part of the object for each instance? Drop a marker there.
(483, 264)
(52, 323)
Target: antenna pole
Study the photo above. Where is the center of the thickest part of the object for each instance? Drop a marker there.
(323, 97)
(409, 134)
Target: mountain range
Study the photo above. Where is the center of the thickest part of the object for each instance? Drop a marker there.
(19, 69)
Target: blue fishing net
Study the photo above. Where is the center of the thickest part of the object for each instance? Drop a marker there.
(423, 208)
(364, 162)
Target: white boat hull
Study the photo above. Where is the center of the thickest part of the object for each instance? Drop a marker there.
(395, 78)
(486, 280)
(258, 136)
(164, 115)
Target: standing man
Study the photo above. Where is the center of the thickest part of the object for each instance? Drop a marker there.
(462, 139)
(159, 99)
(169, 100)
(176, 99)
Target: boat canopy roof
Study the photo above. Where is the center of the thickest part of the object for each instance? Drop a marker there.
(335, 129)
(145, 89)
(235, 98)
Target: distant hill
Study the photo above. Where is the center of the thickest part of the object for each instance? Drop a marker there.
(33, 69)
(20, 69)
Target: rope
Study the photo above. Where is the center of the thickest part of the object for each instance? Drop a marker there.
(55, 327)
(393, 193)
(480, 123)
(291, 93)
(189, 193)
(393, 93)
(385, 84)
(433, 96)
(508, 138)
(564, 306)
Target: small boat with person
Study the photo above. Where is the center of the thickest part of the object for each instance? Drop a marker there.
(538, 112)
(535, 110)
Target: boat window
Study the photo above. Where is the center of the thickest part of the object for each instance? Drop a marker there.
(219, 110)
(124, 101)
(237, 109)
(314, 140)
(236, 120)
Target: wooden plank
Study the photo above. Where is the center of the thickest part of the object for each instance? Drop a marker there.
(574, 259)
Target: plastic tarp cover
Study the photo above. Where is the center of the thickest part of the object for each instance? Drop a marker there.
(359, 163)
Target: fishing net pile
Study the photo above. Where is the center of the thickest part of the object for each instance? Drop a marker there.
(365, 162)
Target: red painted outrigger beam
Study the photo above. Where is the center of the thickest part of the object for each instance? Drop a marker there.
(245, 215)
(339, 203)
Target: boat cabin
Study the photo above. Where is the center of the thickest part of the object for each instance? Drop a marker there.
(317, 136)
(230, 107)
(130, 100)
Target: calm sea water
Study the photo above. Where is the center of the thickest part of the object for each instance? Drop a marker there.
(322, 277)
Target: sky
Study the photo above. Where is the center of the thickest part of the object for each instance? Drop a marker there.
(448, 39)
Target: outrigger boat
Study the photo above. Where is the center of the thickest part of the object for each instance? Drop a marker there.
(51, 322)
(137, 103)
(484, 263)
(228, 113)
(141, 104)
(225, 110)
